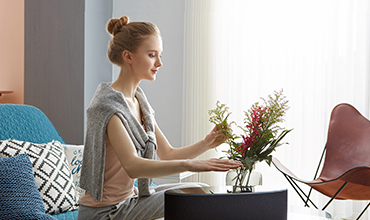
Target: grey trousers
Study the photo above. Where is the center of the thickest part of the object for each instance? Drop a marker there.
(135, 208)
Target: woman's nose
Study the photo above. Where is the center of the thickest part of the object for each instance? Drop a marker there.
(159, 62)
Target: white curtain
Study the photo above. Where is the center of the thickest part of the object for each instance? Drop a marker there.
(199, 81)
(317, 51)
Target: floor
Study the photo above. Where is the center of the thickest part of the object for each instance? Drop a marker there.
(303, 213)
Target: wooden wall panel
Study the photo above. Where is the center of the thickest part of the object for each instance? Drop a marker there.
(54, 63)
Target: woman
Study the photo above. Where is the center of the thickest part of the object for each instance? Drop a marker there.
(123, 139)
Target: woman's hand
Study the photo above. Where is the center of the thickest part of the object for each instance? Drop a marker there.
(215, 137)
(138, 167)
(212, 165)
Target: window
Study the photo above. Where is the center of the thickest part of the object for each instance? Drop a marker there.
(240, 50)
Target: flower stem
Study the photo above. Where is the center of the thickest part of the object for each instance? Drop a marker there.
(249, 176)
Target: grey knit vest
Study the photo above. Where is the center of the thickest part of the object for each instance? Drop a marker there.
(105, 103)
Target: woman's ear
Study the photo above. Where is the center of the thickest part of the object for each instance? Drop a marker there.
(127, 56)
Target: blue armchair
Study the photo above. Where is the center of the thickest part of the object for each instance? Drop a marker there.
(28, 123)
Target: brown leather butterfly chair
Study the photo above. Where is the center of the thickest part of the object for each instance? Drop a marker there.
(346, 170)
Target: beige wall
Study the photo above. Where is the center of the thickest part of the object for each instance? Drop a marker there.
(12, 50)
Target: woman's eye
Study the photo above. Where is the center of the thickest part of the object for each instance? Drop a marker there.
(151, 55)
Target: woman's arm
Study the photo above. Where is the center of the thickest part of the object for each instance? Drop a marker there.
(167, 152)
(137, 167)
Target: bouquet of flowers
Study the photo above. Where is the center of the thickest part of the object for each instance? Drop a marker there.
(261, 134)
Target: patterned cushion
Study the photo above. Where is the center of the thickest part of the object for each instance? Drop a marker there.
(20, 198)
(74, 154)
(52, 174)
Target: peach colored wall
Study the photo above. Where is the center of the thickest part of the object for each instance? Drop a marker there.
(12, 50)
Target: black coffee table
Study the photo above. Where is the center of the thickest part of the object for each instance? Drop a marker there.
(215, 203)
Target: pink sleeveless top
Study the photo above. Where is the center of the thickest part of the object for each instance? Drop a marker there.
(118, 185)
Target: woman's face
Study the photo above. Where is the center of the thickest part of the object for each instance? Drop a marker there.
(147, 58)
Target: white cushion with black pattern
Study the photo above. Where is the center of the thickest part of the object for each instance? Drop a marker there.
(74, 154)
(51, 171)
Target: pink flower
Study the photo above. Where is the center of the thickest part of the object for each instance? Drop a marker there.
(258, 116)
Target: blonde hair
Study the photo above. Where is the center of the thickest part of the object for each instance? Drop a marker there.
(127, 36)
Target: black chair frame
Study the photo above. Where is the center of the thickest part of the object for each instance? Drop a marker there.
(306, 197)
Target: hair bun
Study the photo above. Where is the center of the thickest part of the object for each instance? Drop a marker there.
(124, 20)
(114, 25)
